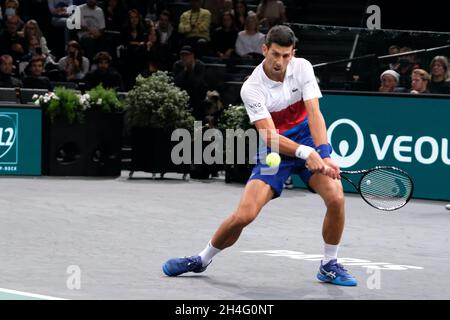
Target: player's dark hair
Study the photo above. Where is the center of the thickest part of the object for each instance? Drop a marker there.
(282, 36)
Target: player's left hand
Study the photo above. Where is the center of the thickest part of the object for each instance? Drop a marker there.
(335, 169)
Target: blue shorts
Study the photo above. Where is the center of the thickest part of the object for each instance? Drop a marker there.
(275, 177)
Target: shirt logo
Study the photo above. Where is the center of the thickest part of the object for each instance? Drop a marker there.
(255, 105)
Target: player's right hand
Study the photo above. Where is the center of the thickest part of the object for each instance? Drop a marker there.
(315, 164)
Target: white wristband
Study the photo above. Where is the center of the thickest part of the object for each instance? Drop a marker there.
(303, 152)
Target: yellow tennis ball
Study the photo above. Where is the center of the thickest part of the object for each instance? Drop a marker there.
(273, 159)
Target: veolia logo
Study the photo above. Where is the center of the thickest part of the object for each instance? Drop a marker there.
(342, 148)
(8, 133)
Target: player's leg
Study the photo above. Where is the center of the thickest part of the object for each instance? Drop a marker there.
(332, 194)
(256, 194)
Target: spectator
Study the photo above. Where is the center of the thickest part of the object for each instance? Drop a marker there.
(270, 13)
(217, 8)
(133, 55)
(31, 29)
(74, 65)
(249, 42)
(194, 25)
(92, 26)
(224, 38)
(439, 75)
(189, 75)
(12, 9)
(10, 41)
(36, 80)
(7, 80)
(419, 81)
(404, 66)
(60, 14)
(114, 11)
(389, 81)
(394, 49)
(103, 73)
(33, 46)
(240, 14)
(166, 31)
(134, 32)
(156, 52)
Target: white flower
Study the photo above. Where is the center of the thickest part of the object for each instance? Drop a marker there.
(54, 96)
(46, 99)
(99, 101)
(37, 102)
(35, 96)
(86, 96)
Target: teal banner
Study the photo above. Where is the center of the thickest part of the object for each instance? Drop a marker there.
(408, 132)
(20, 140)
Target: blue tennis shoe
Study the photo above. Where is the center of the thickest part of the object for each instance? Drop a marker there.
(334, 273)
(176, 266)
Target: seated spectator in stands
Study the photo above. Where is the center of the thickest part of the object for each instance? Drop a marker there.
(36, 80)
(103, 73)
(31, 29)
(92, 26)
(394, 49)
(12, 9)
(33, 47)
(7, 80)
(240, 12)
(133, 34)
(167, 33)
(217, 8)
(115, 14)
(194, 26)
(58, 10)
(270, 13)
(10, 41)
(389, 81)
(74, 65)
(404, 66)
(419, 81)
(156, 52)
(440, 81)
(224, 38)
(189, 75)
(249, 42)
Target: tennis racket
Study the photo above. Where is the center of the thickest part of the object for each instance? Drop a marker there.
(384, 188)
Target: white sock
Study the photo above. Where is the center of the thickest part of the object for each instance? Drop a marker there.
(208, 253)
(330, 253)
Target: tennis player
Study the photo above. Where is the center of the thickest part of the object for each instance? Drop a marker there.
(281, 99)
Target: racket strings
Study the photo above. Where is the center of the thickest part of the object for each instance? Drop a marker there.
(386, 189)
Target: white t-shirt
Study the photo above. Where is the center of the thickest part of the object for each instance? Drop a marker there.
(246, 44)
(93, 18)
(282, 101)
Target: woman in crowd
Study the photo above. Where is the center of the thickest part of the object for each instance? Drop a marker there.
(224, 38)
(74, 65)
(249, 42)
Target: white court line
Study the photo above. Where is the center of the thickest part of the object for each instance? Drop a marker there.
(28, 294)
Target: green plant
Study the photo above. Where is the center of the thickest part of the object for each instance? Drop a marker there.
(103, 99)
(64, 104)
(157, 103)
(234, 117)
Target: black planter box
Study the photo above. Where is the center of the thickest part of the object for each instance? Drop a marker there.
(151, 152)
(238, 172)
(90, 148)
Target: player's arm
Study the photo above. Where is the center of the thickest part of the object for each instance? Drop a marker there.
(318, 131)
(286, 146)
